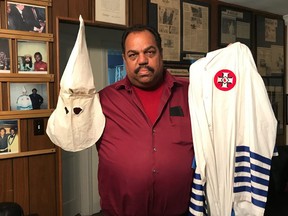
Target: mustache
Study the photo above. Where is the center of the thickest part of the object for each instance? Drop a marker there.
(144, 66)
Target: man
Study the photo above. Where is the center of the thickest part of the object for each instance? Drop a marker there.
(39, 64)
(146, 151)
(3, 140)
(12, 140)
(36, 99)
(16, 20)
(3, 61)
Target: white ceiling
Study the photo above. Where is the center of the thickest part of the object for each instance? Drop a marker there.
(279, 7)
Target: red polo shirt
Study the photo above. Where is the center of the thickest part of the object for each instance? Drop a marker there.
(40, 66)
(144, 167)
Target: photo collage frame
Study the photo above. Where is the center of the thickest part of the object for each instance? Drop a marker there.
(25, 72)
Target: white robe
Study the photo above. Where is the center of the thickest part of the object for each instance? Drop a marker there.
(234, 132)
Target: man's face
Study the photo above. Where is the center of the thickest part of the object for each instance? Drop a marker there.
(144, 65)
(37, 58)
(8, 8)
(20, 6)
(2, 132)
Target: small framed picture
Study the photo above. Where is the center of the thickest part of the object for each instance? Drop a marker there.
(26, 17)
(32, 56)
(9, 136)
(270, 46)
(28, 96)
(113, 12)
(235, 25)
(5, 55)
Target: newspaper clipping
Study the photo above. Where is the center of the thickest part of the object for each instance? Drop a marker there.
(169, 28)
(195, 28)
(233, 27)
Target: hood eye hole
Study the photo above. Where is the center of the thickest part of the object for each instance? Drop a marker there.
(77, 110)
(66, 110)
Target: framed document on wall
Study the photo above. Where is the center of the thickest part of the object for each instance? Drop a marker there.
(270, 45)
(184, 28)
(112, 11)
(235, 26)
(270, 40)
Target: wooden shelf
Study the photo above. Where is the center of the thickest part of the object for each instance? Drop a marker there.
(27, 153)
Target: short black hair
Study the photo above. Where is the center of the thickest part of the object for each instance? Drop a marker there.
(140, 28)
(38, 53)
(13, 128)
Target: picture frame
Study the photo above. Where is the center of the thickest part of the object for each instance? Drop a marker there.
(32, 18)
(22, 97)
(235, 25)
(5, 55)
(195, 25)
(270, 45)
(270, 41)
(9, 136)
(112, 12)
(180, 38)
(32, 57)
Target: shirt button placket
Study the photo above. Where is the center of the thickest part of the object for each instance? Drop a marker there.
(153, 144)
(154, 170)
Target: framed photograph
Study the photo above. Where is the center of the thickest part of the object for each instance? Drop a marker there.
(270, 40)
(32, 56)
(112, 11)
(184, 27)
(195, 27)
(9, 136)
(235, 26)
(26, 17)
(28, 96)
(5, 55)
(270, 46)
